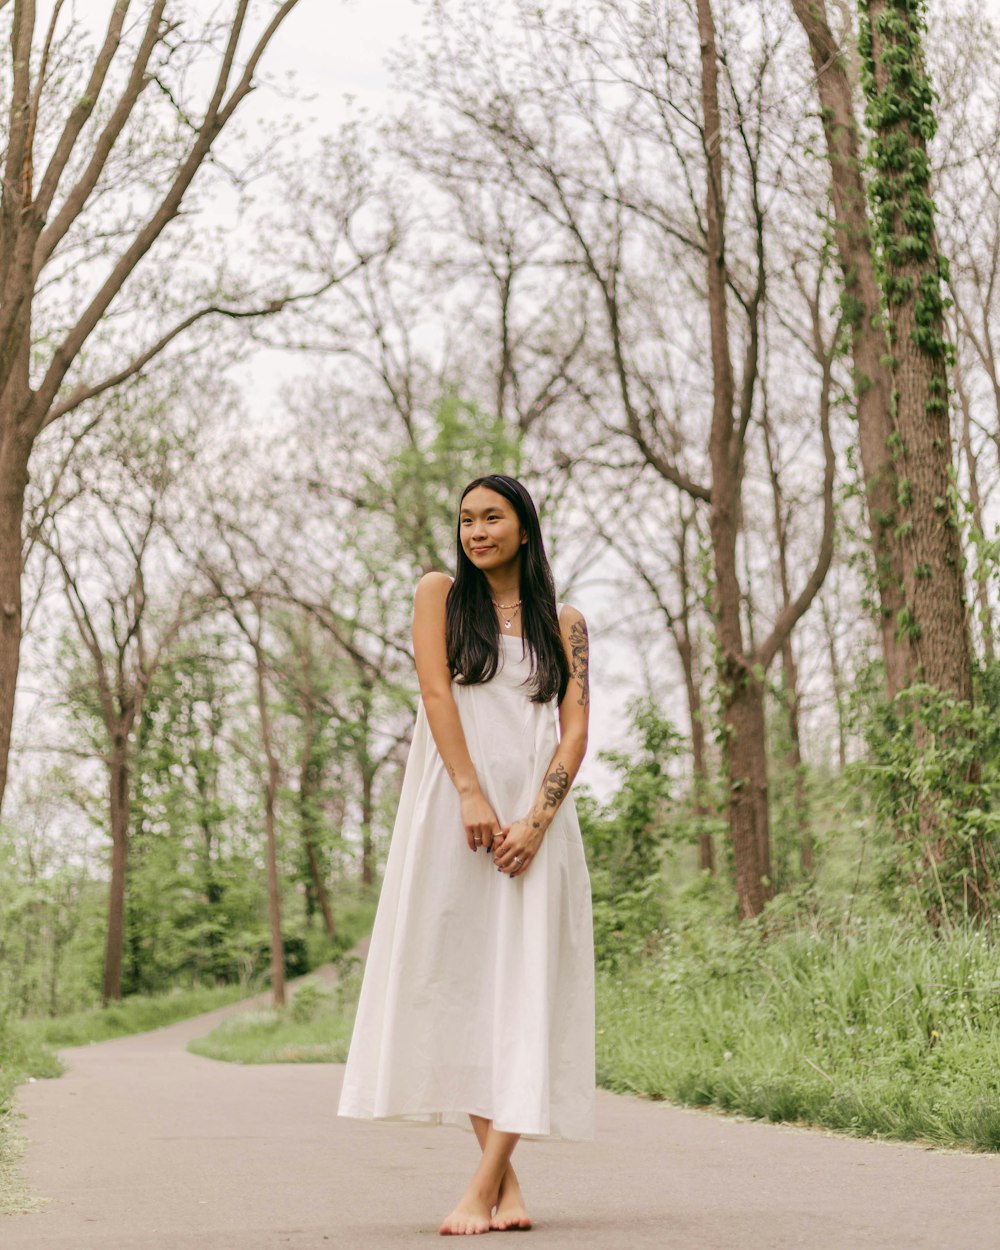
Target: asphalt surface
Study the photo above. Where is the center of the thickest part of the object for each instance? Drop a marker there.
(141, 1145)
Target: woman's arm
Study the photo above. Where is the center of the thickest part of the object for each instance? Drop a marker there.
(431, 657)
(522, 839)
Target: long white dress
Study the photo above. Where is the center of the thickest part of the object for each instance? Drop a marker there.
(478, 993)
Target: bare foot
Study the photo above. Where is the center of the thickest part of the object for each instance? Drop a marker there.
(472, 1215)
(510, 1215)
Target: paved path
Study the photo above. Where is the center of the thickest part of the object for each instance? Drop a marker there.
(143, 1146)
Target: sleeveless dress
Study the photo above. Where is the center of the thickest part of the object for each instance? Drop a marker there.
(478, 992)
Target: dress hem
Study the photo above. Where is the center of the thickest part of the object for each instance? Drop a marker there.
(456, 1118)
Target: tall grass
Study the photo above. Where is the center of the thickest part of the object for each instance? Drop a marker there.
(882, 1029)
(314, 1028)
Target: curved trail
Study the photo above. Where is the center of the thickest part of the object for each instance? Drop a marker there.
(143, 1146)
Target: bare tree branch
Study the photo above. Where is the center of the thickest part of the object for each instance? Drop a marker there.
(217, 115)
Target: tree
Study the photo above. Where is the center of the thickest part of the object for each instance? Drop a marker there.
(69, 144)
(613, 140)
(105, 546)
(900, 113)
(740, 674)
(861, 303)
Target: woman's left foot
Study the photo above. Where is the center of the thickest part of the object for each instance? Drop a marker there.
(510, 1215)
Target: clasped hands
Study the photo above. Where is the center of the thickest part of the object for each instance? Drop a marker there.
(517, 841)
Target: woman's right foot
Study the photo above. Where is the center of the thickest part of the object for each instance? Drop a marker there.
(471, 1216)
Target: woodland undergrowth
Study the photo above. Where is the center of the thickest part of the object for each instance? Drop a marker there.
(874, 1027)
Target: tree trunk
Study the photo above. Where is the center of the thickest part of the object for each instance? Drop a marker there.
(307, 819)
(273, 779)
(688, 653)
(862, 306)
(367, 813)
(837, 680)
(982, 569)
(901, 118)
(706, 847)
(14, 453)
(932, 555)
(789, 667)
(742, 691)
(118, 777)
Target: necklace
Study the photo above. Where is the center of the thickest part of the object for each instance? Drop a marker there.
(507, 607)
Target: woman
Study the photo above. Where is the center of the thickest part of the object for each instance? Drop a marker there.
(478, 997)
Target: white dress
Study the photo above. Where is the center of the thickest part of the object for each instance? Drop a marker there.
(478, 993)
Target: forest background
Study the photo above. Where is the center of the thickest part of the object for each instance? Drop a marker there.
(719, 282)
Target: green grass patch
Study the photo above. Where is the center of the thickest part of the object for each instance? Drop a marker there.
(884, 1029)
(137, 1014)
(314, 1028)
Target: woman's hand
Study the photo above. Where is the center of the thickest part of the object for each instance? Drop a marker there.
(479, 819)
(518, 842)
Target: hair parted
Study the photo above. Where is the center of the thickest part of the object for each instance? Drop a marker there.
(472, 631)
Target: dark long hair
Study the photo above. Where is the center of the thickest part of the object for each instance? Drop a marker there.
(472, 631)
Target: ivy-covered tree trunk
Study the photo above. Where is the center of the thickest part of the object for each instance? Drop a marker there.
(901, 117)
(862, 307)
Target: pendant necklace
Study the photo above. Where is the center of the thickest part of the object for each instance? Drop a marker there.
(507, 607)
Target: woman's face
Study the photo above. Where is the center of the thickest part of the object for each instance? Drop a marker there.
(489, 528)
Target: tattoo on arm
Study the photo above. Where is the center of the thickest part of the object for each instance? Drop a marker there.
(580, 664)
(555, 786)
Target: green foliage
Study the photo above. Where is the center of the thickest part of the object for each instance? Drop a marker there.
(931, 752)
(900, 114)
(627, 838)
(137, 1014)
(879, 1028)
(419, 490)
(314, 1028)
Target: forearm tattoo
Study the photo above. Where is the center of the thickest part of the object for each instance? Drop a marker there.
(555, 786)
(580, 663)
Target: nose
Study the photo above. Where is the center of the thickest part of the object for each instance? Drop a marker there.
(478, 530)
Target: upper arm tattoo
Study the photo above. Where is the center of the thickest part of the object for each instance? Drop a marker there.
(580, 659)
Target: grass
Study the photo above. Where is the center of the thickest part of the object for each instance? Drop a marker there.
(875, 1028)
(883, 1030)
(314, 1028)
(137, 1014)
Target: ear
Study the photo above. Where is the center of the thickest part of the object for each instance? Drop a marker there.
(524, 537)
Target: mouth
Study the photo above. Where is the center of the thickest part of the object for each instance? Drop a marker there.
(480, 551)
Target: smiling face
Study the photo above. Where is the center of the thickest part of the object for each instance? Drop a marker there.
(490, 531)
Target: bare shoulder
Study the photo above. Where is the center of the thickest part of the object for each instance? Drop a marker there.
(572, 622)
(433, 587)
